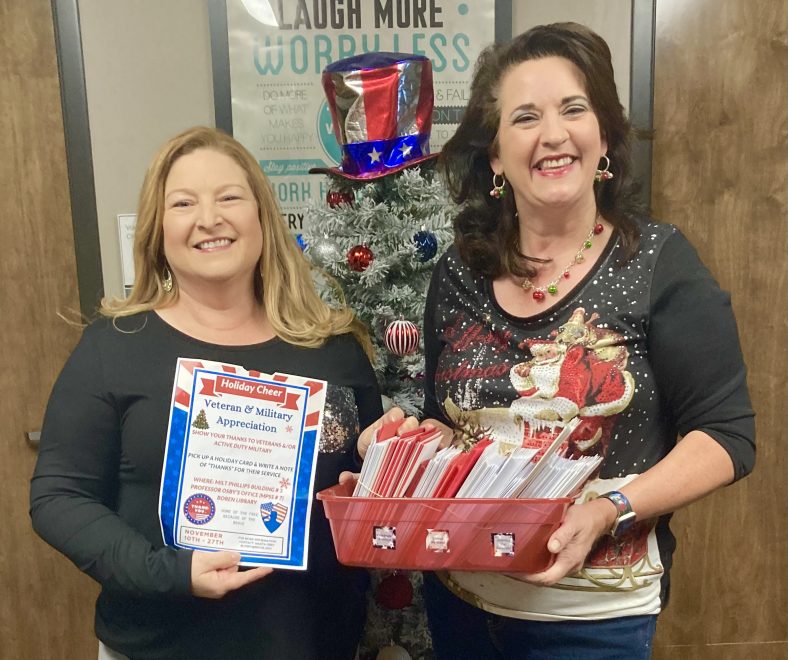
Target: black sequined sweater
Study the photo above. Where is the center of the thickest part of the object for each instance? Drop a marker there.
(641, 351)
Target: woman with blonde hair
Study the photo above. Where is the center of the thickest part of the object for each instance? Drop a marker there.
(219, 278)
(293, 307)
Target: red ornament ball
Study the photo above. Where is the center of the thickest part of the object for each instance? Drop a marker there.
(402, 337)
(359, 257)
(395, 592)
(336, 197)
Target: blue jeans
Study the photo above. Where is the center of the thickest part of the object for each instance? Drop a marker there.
(461, 631)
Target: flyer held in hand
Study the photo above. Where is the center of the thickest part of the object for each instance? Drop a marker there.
(240, 462)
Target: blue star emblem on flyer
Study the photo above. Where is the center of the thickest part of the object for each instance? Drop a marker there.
(239, 464)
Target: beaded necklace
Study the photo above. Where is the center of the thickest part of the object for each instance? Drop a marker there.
(539, 293)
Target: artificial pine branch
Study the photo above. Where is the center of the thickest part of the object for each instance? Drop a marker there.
(385, 215)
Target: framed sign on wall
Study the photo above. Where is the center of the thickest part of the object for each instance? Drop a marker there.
(450, 32)
(268, 56)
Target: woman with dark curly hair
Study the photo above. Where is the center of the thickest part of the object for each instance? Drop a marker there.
(559, 302)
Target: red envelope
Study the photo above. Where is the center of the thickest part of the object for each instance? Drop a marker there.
(389, 469)
(458, 470)
(416, 478)
(422, 447)
(387, 431)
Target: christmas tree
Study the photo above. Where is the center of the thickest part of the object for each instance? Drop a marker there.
(200, 422)
(379, 240)
(385, 221)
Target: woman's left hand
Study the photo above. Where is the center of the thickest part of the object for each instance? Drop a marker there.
(215, 574)
(573, 540)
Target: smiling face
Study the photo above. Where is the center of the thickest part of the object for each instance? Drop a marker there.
(549, 141)
(211, 223)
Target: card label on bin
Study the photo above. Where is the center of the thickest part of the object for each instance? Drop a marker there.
(503, 544)
(384, 537)
(438, 540)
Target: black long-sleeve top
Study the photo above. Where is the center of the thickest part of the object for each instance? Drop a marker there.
(95, 489)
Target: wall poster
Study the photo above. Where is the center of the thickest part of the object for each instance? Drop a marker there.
(279, 48)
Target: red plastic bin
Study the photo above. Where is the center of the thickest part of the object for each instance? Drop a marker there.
(507, 535)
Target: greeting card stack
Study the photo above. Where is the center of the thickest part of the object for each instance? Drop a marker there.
(491, 507)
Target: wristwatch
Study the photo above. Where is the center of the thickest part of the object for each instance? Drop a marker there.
(625, 517)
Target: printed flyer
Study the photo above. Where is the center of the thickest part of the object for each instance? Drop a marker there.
(278, 50)
(240, 461)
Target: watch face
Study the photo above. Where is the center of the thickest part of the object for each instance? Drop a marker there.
(623, 523)
(626, 517)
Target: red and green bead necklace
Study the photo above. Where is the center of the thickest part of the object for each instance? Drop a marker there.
(539, 293)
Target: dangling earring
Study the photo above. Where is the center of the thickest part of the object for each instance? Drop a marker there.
(166, 282)
(605, 174)
(498, 189)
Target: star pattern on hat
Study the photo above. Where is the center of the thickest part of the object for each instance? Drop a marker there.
(406, 149)
(374, 155)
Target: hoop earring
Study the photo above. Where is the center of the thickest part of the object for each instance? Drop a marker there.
(605, 174)
(498, 189)
(166, 282)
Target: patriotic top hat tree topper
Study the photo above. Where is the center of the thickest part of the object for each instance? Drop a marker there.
(381, 106)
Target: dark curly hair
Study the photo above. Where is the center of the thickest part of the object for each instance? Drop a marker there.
(486, 229)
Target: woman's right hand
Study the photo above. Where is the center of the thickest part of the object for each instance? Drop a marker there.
(393, 415)
(214, 574)
(406, 424)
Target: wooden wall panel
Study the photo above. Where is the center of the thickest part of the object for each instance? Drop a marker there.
(46, 609)
(721, 174)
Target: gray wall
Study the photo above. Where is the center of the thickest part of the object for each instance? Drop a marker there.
(609, 18)
(147, 76)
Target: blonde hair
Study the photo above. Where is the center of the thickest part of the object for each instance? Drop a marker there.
(283, 282)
